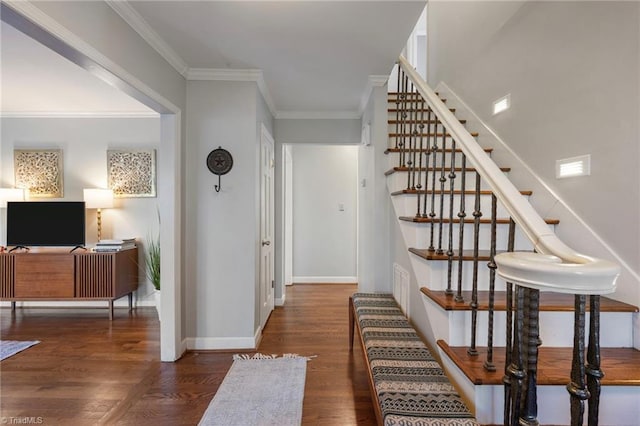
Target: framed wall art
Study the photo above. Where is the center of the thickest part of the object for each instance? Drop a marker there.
(132, 173)
(40, 171)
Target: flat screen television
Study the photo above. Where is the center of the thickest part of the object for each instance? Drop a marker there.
(45, 223)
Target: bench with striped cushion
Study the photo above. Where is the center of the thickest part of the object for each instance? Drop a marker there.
(410, 388)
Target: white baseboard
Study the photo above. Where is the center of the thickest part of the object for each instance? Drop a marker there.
(280, 300)
(219, 343)
(325, 280)
(224, 343)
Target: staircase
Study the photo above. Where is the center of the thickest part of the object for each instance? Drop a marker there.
(455, 226)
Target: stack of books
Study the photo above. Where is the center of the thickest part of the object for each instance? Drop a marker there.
(115, 245)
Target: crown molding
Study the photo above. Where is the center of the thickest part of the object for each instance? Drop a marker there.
(231, 74)
(372, 82)
(223, 74)
(139, 25)
(318, 115)
(76, 114)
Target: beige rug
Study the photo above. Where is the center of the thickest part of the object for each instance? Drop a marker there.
(261, 390)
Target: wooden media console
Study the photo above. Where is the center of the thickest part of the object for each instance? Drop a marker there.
(56, 274)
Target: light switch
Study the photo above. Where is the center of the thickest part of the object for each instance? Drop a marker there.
(341, 207)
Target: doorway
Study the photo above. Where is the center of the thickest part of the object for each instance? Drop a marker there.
(320, 213)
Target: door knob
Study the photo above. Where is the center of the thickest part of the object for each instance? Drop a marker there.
(266, 243)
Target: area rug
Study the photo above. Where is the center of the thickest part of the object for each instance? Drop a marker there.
(259, 391)
(11, 347)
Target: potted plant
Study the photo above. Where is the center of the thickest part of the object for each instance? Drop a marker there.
(152, 267)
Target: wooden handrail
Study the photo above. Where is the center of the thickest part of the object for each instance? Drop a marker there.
(554, 266)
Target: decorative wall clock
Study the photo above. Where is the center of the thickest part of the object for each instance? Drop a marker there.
(219, 162)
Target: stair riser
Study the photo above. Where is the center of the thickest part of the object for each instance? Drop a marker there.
(618, 405)
(423, 236)
(556, 329)
(439, 274)
(399, 181)
(394, 160)
(410, 205)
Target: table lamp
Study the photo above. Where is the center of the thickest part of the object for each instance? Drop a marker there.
(96, 198)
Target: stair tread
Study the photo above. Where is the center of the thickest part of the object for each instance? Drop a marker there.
(412, 99)
(554, 365)
(549, 302)
(416, 109)
(501, 221)
(439, 134)
(446, 191)
(397, 150)
(483, 255)
(424, 121)
(446, 169)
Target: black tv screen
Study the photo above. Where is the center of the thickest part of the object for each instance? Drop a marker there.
(45, 223)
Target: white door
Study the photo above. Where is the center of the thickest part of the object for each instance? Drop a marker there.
(267, 260)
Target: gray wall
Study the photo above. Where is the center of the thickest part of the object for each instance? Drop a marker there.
(572, 69)
(327, 131)
(324, 238)
(221, 227)
(84, 143)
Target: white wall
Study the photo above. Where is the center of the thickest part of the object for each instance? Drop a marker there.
(324, 237)
(375, 210)
(84, 143)
(573, 71)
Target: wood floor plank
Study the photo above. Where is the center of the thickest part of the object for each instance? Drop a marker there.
(89, 370)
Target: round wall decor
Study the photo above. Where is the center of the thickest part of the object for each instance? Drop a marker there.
(219, 162)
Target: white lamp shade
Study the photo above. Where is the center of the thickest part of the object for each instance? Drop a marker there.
(96, 198)
(10, 194)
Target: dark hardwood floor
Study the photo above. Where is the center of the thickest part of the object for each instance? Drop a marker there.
(89, 370)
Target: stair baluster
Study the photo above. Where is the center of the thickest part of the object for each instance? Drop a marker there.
(461, 215)
(516, 368)
(506, 379)
(443, 180)
(452, 178)
(427, 154)
(594, 373)
(420, 166)
(532, 333)
(578, 388)
(398, 112)
(411, 137)
(477, 214)
(488, 364)
(432, 213)
(415, 133)
(403, 121)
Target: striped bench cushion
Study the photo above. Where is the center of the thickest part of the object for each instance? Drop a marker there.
(411, 386)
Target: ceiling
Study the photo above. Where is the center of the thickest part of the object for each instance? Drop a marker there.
(316, 57)
(36, 81)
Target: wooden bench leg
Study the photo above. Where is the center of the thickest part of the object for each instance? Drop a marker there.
(352, 322)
